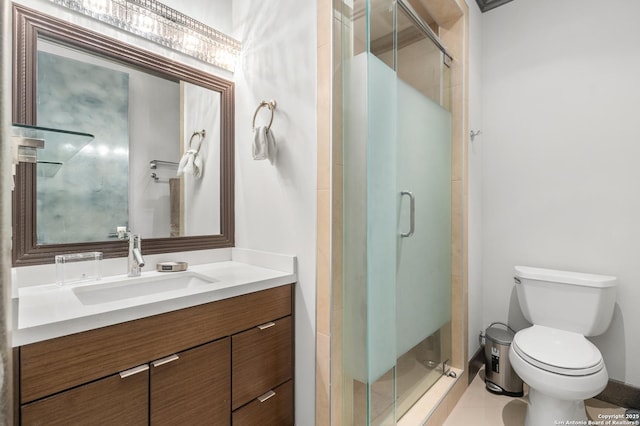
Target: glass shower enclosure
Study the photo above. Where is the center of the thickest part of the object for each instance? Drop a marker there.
(397, 210)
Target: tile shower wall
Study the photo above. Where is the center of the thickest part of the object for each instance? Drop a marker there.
(474, 158)
(326, 197)
(560, 139)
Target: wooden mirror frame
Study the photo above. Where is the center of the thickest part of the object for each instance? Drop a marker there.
(28, 26)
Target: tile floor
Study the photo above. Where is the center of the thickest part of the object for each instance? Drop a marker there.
(479, 407)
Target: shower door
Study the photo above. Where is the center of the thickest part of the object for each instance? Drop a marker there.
(397, 175)
(423, 269)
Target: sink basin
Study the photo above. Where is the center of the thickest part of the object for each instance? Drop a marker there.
(129, 288)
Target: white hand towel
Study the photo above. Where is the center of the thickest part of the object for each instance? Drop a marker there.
(272, 148)
(191, 163)
(260, 144)
(264, 144)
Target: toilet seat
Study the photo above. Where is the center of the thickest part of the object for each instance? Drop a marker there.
(558, 351)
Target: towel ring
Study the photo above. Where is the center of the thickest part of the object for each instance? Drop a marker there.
(202, 134)
(271, 105)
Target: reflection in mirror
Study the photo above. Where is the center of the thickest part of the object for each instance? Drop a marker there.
(136, 119)
(164, 204)
(148, 115)
(201, 215)
(82, 197)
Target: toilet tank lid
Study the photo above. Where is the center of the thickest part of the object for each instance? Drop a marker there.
(565, 277)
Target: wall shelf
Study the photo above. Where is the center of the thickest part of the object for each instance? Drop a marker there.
(56, 146)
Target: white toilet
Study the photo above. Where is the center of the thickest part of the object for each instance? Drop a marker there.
(561, 367)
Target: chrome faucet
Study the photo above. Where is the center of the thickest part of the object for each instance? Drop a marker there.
(136, 261)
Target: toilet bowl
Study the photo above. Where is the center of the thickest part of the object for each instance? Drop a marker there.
(561, 367)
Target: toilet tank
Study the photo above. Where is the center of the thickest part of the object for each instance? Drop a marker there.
(571, 301)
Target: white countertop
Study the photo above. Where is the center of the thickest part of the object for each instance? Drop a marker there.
(47, 311)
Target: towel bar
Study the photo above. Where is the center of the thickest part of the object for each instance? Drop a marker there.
(153, 164)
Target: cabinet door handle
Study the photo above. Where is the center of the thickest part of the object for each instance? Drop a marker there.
(263, 398)
(267, 325)
(166, 360)
(135, 370)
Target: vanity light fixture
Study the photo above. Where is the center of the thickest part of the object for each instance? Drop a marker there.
(161, 24)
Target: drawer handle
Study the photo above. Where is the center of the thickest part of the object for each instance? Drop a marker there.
(263, 398)
(267, 325)
(167, 360)
(135, 370)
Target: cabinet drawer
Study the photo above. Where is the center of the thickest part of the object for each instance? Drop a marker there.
(59, 364)
(192, 387)
(111, 401)
(276, 410)
(261, 359)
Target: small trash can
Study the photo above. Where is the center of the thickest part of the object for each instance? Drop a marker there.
(499, 375)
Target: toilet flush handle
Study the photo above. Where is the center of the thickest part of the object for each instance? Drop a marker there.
(412, 213)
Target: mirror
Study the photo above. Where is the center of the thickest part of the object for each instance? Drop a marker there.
(147, 113)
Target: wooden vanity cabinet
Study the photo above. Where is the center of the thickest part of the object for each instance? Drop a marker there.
(275, 408)
(192, 387)
(110, 401)
(173, 368)
(261, 360)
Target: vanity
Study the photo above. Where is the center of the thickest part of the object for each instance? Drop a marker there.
(210, 345)
(215, 352)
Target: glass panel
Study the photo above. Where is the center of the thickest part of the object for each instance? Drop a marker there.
(419, 61)
(396, 137)
(381, 239)
(354, 338)
(382, 31)
(62, 145)
(423, 287)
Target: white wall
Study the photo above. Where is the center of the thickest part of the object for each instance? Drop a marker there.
(154, 134)
(561, 147)
(201, 111)
(474, 176)
(276, 204)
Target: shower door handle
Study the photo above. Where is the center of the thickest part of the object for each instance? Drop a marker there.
(412, 213)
